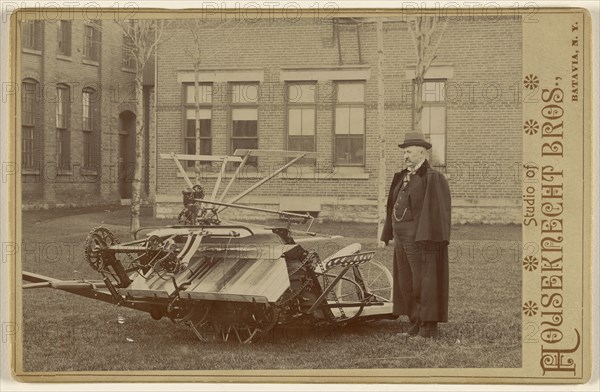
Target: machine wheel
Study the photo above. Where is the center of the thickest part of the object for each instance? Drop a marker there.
(98, 239)
(378, 280)
(199, 323)
(247, 331)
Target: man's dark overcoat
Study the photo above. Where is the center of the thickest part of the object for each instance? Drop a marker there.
(431, 207)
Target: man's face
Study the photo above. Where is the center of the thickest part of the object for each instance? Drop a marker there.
(413, 155)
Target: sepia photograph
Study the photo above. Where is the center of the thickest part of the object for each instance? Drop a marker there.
(298, 194)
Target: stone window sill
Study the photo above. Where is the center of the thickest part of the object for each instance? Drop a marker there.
(32, 51)
(303, 172)
(89, 172)
(31, 172)
(64, 57)
(91, 62)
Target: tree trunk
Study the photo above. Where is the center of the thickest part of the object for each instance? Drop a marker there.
(381, 182)
(136, 186)
(197, 117)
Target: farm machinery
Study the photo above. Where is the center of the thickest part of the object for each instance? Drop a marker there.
(228, 280)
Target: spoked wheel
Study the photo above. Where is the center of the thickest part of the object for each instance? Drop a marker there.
(345, 292)
(378, 281)
(247, 331)
(251, 330)
(198, 322)
(98, 239)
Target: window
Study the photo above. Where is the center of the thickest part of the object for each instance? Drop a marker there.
(64, 37)
(433, 121)
(204, 119)
(91, 41)
(32, 34)
(127, 60)
(244, 118)
(349, 124)
(90, 128)
(63, 158)
(301, 118)
(29, 97)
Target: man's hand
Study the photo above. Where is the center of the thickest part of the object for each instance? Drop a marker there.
(381, 245)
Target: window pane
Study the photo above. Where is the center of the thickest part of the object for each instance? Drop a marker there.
(433, 92)
(425, 119)
(64, 37)
(246, 114)
(438, 149)
(204, 128)
(190, 147)
(342, 120)
(87, 113)
(28, 99)
(308, 121)
(204, 114)
(350, 92)
(27, 147)
(62, 98)
(295, 121)
(357, 120)
(301, 93)
(204, 93)
(244, 143)
(349, 150)
(438, 119)
(301, 143)
(244, 93)
(245, 129)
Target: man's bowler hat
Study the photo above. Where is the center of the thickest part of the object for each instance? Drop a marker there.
(415, 139)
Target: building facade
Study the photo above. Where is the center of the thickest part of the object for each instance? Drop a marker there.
(77, 125)
(312, 85)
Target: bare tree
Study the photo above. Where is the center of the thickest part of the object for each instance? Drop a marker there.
(142, 38)
(194, 27)
(381, 179)
(422, 31)
(199, 30)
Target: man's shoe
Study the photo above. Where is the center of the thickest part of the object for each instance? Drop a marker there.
(414, 329)
(429, 329)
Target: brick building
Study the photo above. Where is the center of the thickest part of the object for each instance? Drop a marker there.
(312, 85)
(77, 113)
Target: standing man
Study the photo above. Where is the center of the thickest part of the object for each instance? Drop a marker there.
(418, 220)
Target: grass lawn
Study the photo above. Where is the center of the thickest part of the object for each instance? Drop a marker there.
(65, 332)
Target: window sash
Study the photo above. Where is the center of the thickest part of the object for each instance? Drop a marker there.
(64, 37)
(205, 93)
(28, 100)
(349, 124)
(433, 91)
(87, 111)
(27, 146)
(62, 98)
(244, 93)
(301, 121)
(30, 30)
(349, 120)
(350, 92)
(349, 150)
(63, 150)
(434, 119)
(301, 93)
(189, 120)
(91, 45)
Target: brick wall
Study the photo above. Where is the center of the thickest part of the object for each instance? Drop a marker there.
(483, 129)
(45, 186)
